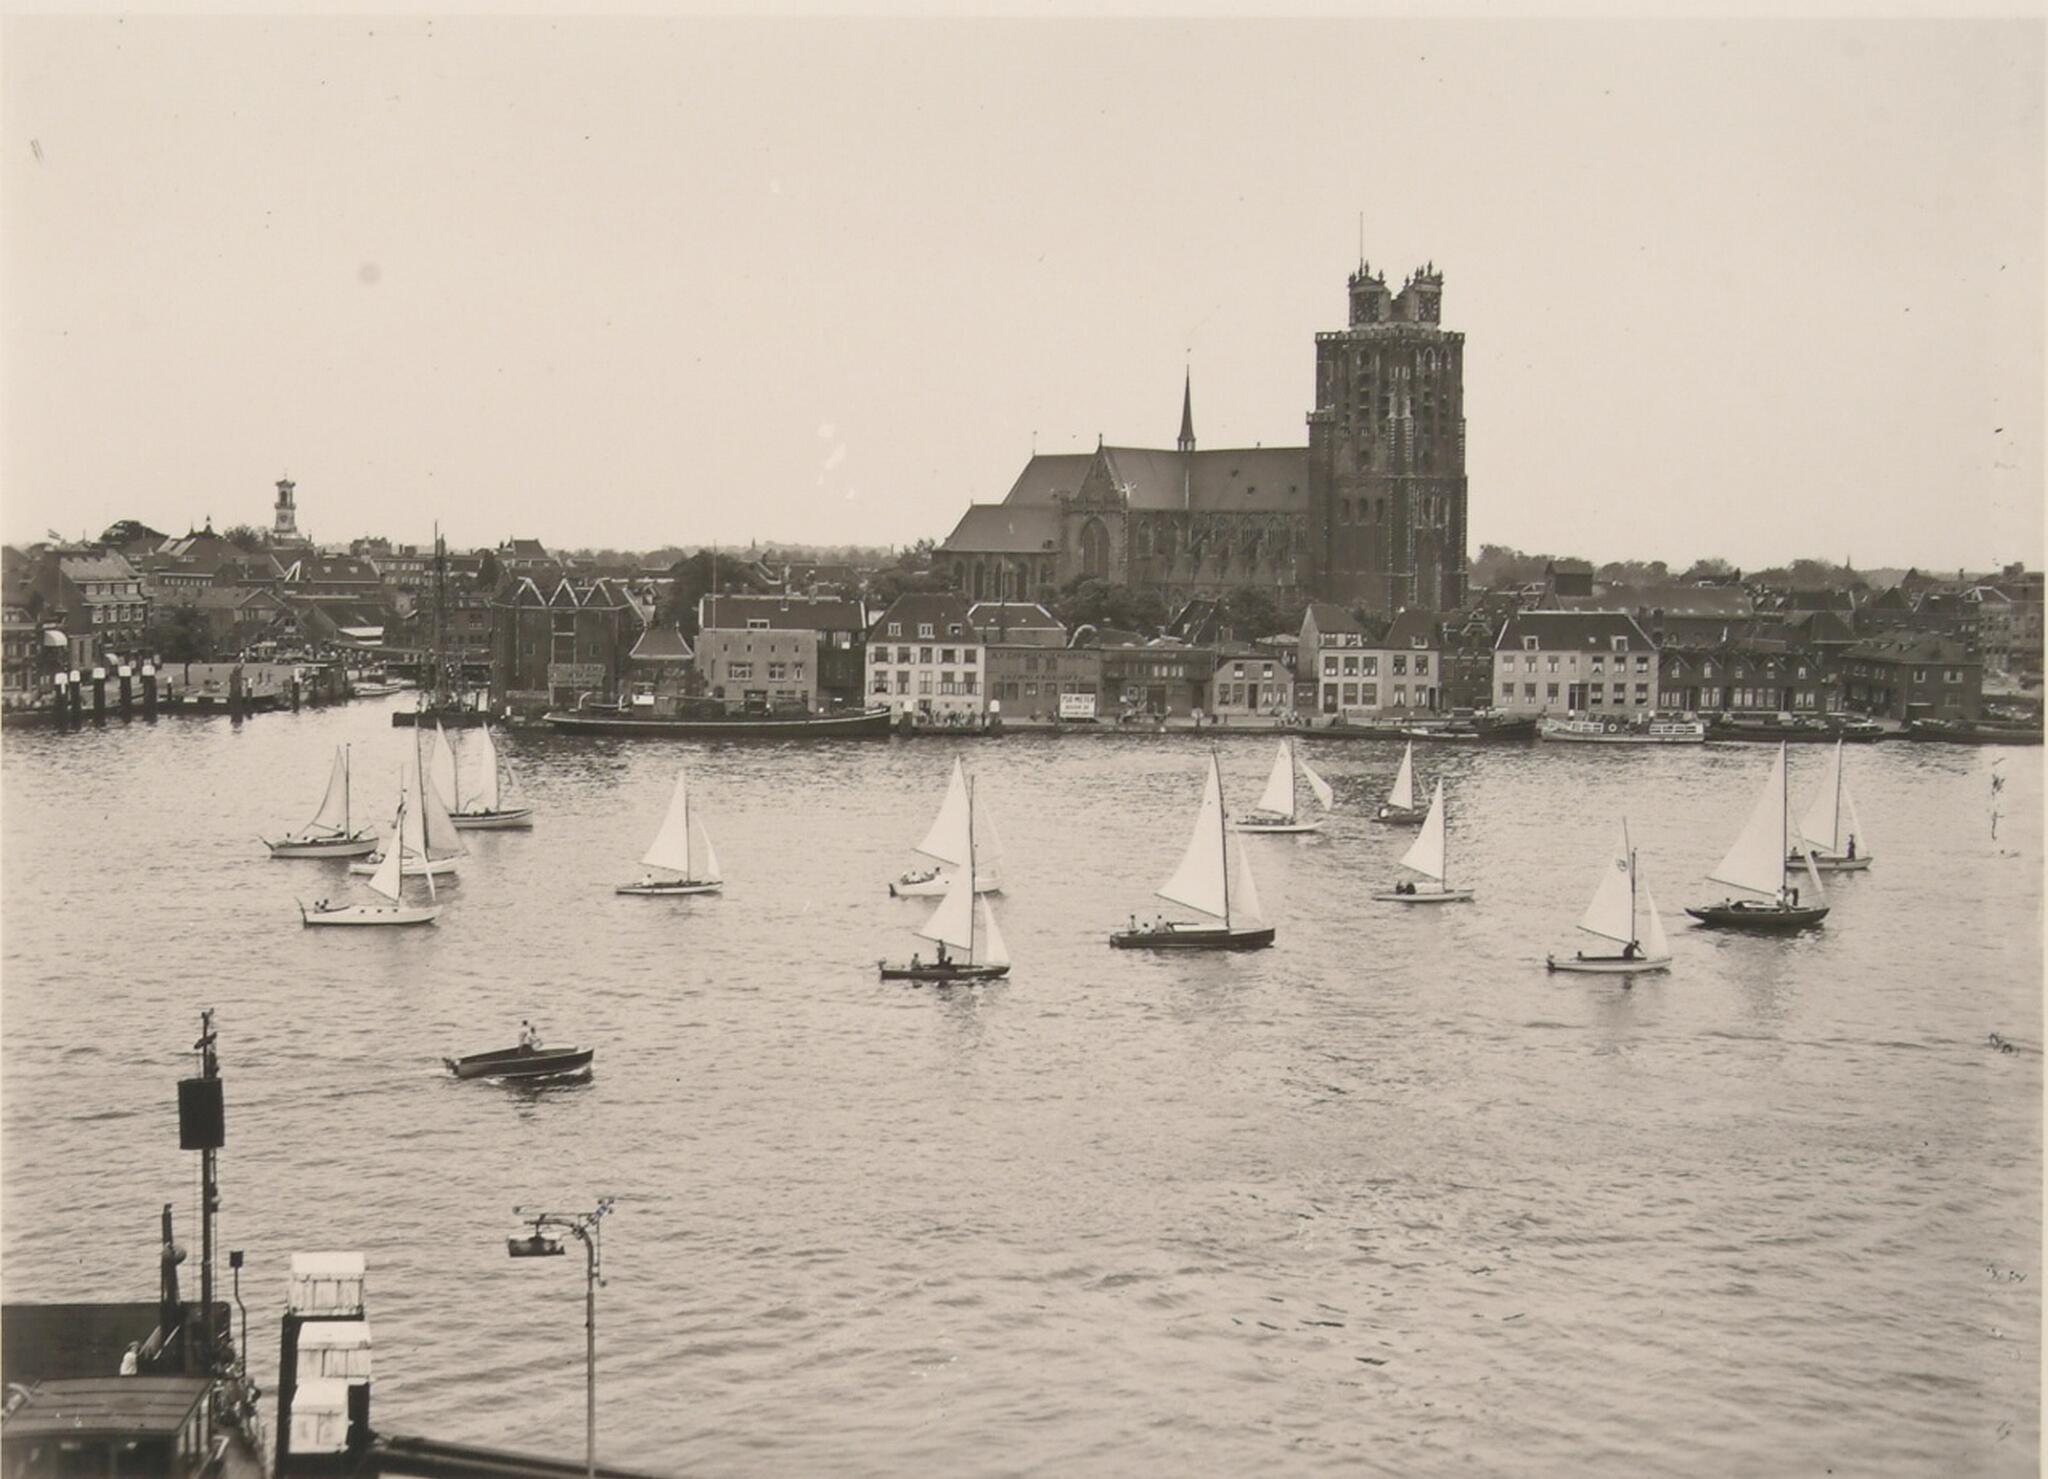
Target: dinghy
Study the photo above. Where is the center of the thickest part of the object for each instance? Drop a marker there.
(1401, 810)
(1831, 830)
(428, 847)
(482, 806)
(1428, 855)
(1613, 915)
(952, 923)
(387, 882)
(947, 842)
(332, 833)
(1275, 811)
(672, 866)
(1212, 879)
(1756, 864)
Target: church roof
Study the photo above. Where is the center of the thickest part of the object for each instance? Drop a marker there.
(1228, 480)
(1005, 529)
(1046, 474)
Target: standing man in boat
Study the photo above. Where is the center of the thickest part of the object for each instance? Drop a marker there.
(529, 1037)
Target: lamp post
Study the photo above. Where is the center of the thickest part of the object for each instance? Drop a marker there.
(537, 1244)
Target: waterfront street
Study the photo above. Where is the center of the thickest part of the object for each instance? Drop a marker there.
(1383, 1199)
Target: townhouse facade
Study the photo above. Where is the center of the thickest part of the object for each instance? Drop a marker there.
(1574, 662)
(925, 660)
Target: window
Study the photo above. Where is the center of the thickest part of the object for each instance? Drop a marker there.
(1351, 694)
(1350, 665)
(1507, 693)
(1529, 664)
(1953, 675)
(757, 623)
(738, 670)
(1422, 665)
(924, 654)
(967, 682)
(1400, 665)
(1237, 670)
(1550, 692)
(1620, 644)
(903, 682)
(1031, 690)
(895, 628)
(1399, 697)
(924, 629)
(1369, 695)
(1598, 664)
(970, 655)
(1330, 666)
(1528, 644)
(881, 683)
(796, 671)
(1596, 694)
(1369, 667)
(924, 683)
(778, 672)
(903, 654)
(1529, 693)
(946, 654)
(1643, 662)
(1642, 693)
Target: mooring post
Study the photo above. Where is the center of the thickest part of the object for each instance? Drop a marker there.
(149, 690)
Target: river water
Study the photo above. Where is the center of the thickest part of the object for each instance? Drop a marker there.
(1383, 1199)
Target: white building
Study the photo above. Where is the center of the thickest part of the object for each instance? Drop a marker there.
(1575, 662)
(926, 659)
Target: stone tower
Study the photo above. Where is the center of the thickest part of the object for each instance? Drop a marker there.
(1386, 450)
(284, 528)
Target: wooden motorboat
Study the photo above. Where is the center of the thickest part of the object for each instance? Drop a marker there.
(1400, 809)
(672, 867)
(1613, 915)
(1757, 864)
(522, 1063)
(1213, 879)
(1275, 811)
(332, 833)
(947, 844)
(1428, 855)
(953, 922)
(388, 883)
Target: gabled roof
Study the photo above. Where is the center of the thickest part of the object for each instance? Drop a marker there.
(95, 567)
(1004, 529)
(1677, 600)
(1819, 627)
(661, 644)
(1926, 647)
(1229, 480)
(782, 613)
(1330, 617)
(1572, 631)
(1047, 475)
(314, 568)
(1412, 629)
(1014, 616)
(944, 611)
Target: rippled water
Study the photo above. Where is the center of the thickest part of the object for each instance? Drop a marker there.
(1383, 1199)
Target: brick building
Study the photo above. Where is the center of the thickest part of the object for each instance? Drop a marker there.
(1914, 675)
(819, 648)
(556, 640)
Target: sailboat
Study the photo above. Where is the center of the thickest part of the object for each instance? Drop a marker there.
(1401, 810)
(427, 842)
(947, 843)
(482, 805)
(1756, 864)
(952, 923)
(1429, 856)
(1613, 915)
(672, 865)
(1212, 879)
(332, 833)
(1831, 829)
(1275, 811)
(388, 882)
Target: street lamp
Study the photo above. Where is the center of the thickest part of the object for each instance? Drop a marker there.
(538, 1244)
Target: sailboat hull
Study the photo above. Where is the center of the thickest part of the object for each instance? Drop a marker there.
(322, 847)
(493, 821)
(1395, 816)
(1741, 914)
(658, 890)
(1282, 829)
(370, 914)
(942, 974)
(1426, 896)
(1606, 965)
(1835, 863)
(1192, 937)
(908, 887)
(411, 868)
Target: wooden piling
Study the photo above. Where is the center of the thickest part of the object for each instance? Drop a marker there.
(99, 695)
(126, 673)
(149, 690)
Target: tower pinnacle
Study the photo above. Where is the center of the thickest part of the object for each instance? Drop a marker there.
(1187, 413)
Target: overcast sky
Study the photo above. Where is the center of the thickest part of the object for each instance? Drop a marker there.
(1755, 289)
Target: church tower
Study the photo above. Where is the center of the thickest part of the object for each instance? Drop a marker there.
(1386, 454)
(284, 527)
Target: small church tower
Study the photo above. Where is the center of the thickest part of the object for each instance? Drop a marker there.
(285, 528)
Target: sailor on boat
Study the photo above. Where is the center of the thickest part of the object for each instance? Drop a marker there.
(529, 1037)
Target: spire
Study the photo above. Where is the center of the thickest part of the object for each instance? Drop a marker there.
(1187, 413)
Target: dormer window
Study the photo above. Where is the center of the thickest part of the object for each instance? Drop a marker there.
(757, 623)
(895, 628)
(1620, 644)
(1528, 644)
(924, 629)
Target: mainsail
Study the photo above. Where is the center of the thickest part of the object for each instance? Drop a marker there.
(1612, 914)
(1426, 856)
(1199, 881)
(1757, 860)
(1244, 893)
(1403, 796)
(443, 775)
(410, 828)
(481, 792)
(952, 923)
(333, 817)
(1655, 946)
(386, 879)
(947, 839)
(442, 841)
(1278, 797)
(1831, 818)
(670, 851)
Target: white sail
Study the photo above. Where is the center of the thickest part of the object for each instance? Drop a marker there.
(1402, 798)
(1278, 797)
(947, 840)
(1199, 880)
(1655, 946)
(1426, 856)
(1325, 797)
(443, 773)
(409, 826)
(952, 923)
(1822, 824)
(671, 848)
(1757, 860)
(386, 880)
(1854, 826)
(480, 791)
(1244, 891)
(442, 840)
(988, 847)
(993, 950)
(1611, 915)
(333, 815)
(1813, 878)
(711, 873)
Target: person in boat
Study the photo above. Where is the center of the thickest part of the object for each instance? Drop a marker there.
(529, 1037)
(1630, 951)
(131, 1359)
(1795, 898)
(1852, 846)
(916, 961)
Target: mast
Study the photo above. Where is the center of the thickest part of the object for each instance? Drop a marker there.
(209, 1192)
(348, 825)
(1835, 841)
(1222, 834)
(1629, 848)
(1784, 837)
(687, 839)
(1293, 783)
(970, 870)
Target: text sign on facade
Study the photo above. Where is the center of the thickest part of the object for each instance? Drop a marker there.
(575, 675)
(1077, 706)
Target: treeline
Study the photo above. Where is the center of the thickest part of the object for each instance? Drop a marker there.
(1500, 565)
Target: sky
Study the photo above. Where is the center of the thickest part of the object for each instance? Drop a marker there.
(1751, 288)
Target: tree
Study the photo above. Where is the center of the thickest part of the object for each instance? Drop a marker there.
(488, 572)
(246, 537)
(181, 634)
(130, 531)
(1708, 569)
(1251, 613)
(694, 577)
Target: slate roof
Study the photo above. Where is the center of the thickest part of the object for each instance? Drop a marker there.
(1005, 529)
(1412, 629)
(1229, 480)
(1014, 615)
(1677, 600)
(95, 567)
(1920, 647)
(1330, 617)
(782, 613)
(1572, 631)
(946, 611)
(1047, 474)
